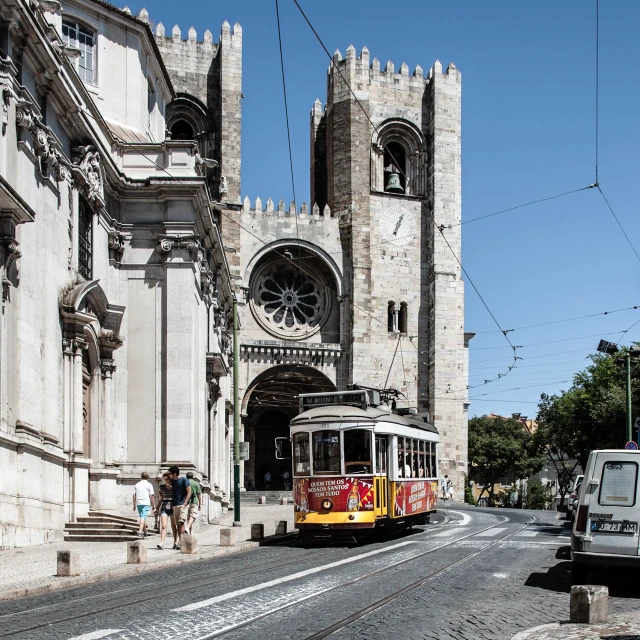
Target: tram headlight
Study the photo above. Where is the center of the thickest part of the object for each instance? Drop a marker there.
(327, 505)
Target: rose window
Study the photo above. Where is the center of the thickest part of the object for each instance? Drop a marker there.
(288, 302)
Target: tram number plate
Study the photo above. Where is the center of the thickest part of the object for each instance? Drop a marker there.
(613, 526)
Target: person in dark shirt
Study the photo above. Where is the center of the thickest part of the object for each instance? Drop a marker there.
(181, 498)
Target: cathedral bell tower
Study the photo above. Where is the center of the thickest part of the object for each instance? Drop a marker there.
(386, 158)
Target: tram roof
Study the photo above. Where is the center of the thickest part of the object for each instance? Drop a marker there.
(352, 414)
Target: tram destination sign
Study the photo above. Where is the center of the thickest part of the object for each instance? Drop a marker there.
(362, 398)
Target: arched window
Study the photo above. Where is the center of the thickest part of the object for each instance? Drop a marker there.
(399, 147)
(80, 37)
(402, 318)
(392, 317)
(181, 130)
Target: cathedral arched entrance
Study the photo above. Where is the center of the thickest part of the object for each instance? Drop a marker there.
(269, 404)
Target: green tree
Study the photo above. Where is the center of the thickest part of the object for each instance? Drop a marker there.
(592, 413)
(537, 495)
(500, 447)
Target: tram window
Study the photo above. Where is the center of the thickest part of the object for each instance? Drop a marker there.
(381, 455)
(357, 451)
(326, 452)
(432, 460)
(404, 456)
(301, 456)
(422, 444)
(415, 473)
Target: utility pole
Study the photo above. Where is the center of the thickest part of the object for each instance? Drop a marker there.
(236, 419)
(627, 361)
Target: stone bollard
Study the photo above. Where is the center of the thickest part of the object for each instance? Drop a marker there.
(257, 531)
(227, 537)
(136, 552)
(68, 563)
(281, 528)
(589, 604)
(262, 500)
(284, 500)
(188, 543)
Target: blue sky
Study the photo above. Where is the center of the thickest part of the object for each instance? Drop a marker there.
(528, 74)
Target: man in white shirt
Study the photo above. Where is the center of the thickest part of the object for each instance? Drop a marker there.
(143, 501)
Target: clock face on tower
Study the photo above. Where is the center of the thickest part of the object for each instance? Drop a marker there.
(398, 225)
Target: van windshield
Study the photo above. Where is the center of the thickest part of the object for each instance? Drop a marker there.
(618, 484)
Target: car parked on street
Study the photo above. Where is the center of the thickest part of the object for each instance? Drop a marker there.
(572, 500)
(605, 530)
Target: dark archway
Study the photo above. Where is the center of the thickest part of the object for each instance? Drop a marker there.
(269, 403)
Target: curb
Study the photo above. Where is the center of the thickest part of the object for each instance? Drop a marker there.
(128, 570)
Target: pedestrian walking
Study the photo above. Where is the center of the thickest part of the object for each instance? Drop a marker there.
(286, 480)
(444, 486)
(142, 501)
(449, 489)
(195, 504)
(164, 508)
(180, 501)
(267, 480)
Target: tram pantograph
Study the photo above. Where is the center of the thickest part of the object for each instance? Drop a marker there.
(359, 466)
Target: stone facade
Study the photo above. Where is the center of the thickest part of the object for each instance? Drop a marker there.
(124, 239)
(331, 295)
(115, 285)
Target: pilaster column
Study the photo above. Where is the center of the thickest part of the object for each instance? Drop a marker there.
(108, 434)
(78, 415)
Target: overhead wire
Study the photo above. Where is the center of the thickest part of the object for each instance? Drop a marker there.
(544, 324)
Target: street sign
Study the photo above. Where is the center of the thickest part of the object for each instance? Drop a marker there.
(632, 446)
(636, 425)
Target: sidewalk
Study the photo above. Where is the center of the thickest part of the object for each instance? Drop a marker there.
(29, 571)
(624, 626)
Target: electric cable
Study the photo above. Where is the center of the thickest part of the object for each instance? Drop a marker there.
(544, 324)
(536, 344)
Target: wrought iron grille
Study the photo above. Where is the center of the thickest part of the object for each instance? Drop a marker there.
(85, 233)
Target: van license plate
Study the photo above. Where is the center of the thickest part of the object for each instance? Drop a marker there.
(613, 526)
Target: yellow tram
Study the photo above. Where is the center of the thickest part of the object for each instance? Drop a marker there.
(358, 465)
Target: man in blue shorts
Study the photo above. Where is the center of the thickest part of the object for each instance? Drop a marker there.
(181, 498)
(142, 500)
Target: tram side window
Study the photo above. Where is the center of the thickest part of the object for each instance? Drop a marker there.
(326, 452)
(357, 451)
(415, 466)
(301, 456)
(404, 452)
(432, 457)
(422, 444)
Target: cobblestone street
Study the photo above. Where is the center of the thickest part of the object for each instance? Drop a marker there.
(471, 573)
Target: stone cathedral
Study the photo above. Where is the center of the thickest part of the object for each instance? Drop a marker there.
(125, 236)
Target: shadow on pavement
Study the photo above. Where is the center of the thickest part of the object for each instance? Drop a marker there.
(621, 581)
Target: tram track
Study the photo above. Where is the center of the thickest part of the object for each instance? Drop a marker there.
(108, 598)
(157, 590)
(344, 622)
(376, 605)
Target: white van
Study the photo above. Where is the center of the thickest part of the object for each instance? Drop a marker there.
(605, 529)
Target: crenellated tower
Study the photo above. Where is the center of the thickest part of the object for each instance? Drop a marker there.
(389, 166)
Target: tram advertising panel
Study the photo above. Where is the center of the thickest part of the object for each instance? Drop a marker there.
(414, 496)
(334, 494)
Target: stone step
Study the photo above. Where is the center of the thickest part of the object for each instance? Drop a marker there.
(101, 525)
(106, 519)
(84, 537)
(99, 532)
(114, 516)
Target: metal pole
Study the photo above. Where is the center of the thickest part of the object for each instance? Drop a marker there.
(236, 420)
(627, 360)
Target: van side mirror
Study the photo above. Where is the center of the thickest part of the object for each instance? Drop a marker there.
(594, 482)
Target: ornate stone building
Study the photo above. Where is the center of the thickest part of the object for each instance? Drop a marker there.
(114, 336)
(124, 238)
(359, 286)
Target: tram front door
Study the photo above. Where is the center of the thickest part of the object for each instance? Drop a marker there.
(380, 478)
